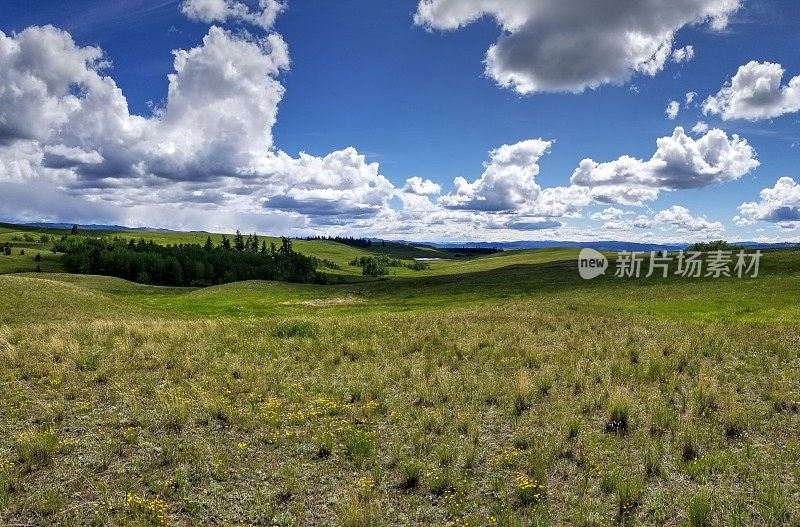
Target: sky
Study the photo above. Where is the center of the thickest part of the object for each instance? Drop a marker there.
(427, 120)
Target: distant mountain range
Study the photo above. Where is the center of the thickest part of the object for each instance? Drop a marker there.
(96, 227)
(608, 245)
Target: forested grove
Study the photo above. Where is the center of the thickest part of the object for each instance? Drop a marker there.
(188, 264)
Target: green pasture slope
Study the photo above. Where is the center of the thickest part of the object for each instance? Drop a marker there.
(491, 390)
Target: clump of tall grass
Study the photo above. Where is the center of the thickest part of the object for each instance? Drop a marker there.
(619, 411)
(706, 396)
(700, 510)
(689, 442)
(359, 445)
(36, 447)
(356, 511)
(629, 490)
(522, 392)
(411, 471)
(734, 420)
(295, 329)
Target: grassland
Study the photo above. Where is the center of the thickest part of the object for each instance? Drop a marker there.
(498, 390)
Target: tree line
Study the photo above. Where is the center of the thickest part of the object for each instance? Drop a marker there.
(147, 262)
(363, 243)
(375, 266)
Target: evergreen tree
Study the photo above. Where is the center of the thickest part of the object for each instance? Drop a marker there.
(286, 246)
(239, 241)
(226, 243)
(74, 231)
(209, 246)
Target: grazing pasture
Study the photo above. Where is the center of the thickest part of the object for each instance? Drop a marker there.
(487, 390)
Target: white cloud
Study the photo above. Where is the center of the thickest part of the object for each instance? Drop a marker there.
(608, 214)
(209, 147)
(681, 218)
(700, 128)
(421, 187)
(779, 204)
(507, 182)
(756, 93)
(690, 97)
(553, 45)
(684, 54)
(210, 11)
(672, 110)
(679, 162)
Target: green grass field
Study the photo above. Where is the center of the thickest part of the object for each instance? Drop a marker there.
(492, 390)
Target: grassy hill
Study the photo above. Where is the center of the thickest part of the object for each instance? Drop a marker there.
(491, 390)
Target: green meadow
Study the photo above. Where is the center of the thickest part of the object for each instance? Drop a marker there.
(497, 390)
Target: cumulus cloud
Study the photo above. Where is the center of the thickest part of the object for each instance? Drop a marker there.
(554, 46)
(617, 220)
(679, 162)
(681, 218)
(507, 182)
(342, 183)
(673, 108)
(684, 54)
(206, 157)
(779, 204)
(210, 11)
(756, 92)
(700, 128)
(421, 187)
(608, 214)
(66, 124)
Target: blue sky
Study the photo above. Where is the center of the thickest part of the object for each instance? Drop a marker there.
(417, 99)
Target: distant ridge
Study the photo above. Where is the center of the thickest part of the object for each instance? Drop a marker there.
(606, 245)
(98, 227)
